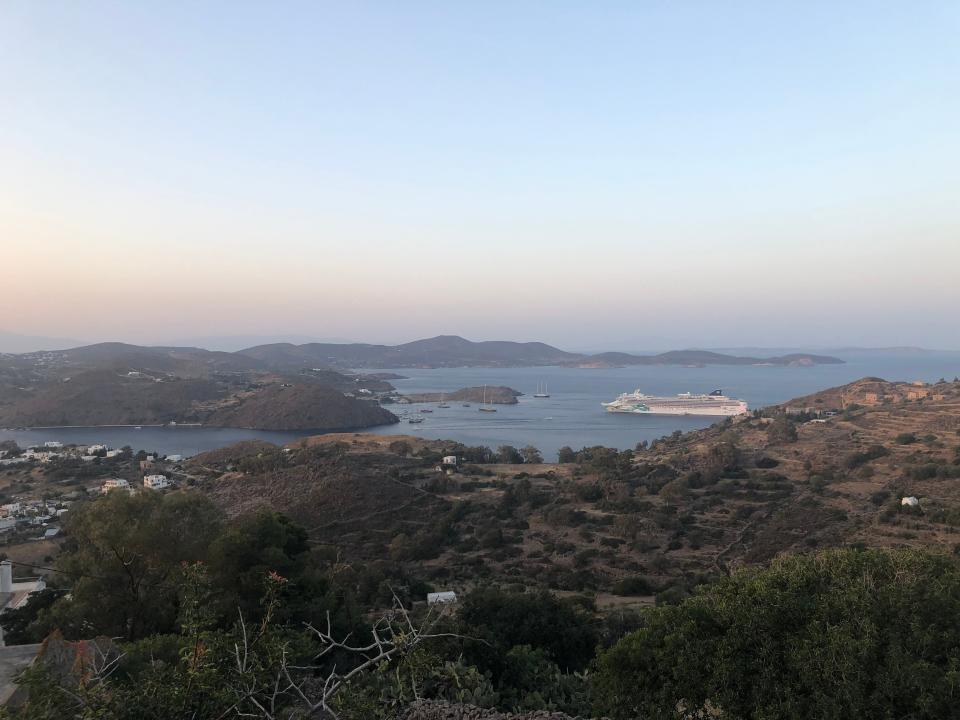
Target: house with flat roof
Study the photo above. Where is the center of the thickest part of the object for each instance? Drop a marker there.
(156, 482)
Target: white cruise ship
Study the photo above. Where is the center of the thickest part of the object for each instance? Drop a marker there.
(716, 403)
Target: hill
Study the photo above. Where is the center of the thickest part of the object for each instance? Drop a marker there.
(182, 361)
(706, 357)
(454, 351)
(495, 394)
(309, 406)
(628, 524)
(119, 384)
(441, 351)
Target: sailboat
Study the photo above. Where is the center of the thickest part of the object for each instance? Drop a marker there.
(484, 408)
(541, 391)
(442, 403)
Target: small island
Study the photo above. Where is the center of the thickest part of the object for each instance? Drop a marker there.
(494, 394)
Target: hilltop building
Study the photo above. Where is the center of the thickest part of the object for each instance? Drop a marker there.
(156, 482)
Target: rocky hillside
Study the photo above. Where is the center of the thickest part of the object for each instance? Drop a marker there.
(105, 397)
(117, 384)
(344, 488)
(625, 526)
(302, 406)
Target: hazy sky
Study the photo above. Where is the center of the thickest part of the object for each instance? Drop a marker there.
(623, 175)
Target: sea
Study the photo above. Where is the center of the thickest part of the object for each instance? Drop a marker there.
(572, 415)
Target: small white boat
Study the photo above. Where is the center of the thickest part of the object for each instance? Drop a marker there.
(541, 391)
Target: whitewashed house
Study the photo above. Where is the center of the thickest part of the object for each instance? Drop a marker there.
(156, 482)
(115, 484)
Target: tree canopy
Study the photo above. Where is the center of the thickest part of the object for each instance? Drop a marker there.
(842, 634)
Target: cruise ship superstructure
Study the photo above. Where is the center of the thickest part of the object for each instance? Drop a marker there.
(716, 403)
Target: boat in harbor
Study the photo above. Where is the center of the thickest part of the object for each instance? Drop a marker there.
(541, 391)
(485, 407)
(443, 403)
(415, 420)
(715, 403)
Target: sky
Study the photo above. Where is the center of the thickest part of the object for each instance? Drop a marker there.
(607, 175)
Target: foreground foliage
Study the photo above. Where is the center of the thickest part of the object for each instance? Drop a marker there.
(213, 618)
(842, 634)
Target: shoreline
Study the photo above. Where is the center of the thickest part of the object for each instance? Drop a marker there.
(92, 427)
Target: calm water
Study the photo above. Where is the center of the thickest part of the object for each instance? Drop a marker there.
(572, 415)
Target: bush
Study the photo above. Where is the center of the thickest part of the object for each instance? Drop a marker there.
(635, 585)
(804, 638)
(856, 459)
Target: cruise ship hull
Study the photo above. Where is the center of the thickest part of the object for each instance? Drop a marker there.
(713, 405)
(706, 411)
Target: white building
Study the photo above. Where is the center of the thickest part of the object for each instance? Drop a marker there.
(174, 458)
(156, 482)
(14, 595)
(115, 484)
(94, 449)
(441, 598)
(450, 460)
(53, 444)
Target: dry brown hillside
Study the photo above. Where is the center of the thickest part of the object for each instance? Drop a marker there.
(625, 525)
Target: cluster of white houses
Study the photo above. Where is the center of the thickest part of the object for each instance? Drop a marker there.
(153, 481)
(32, 514)
(54, 449)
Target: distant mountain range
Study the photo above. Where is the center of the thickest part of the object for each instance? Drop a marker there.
(455, 351)
(278, 386)
(16, 343)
